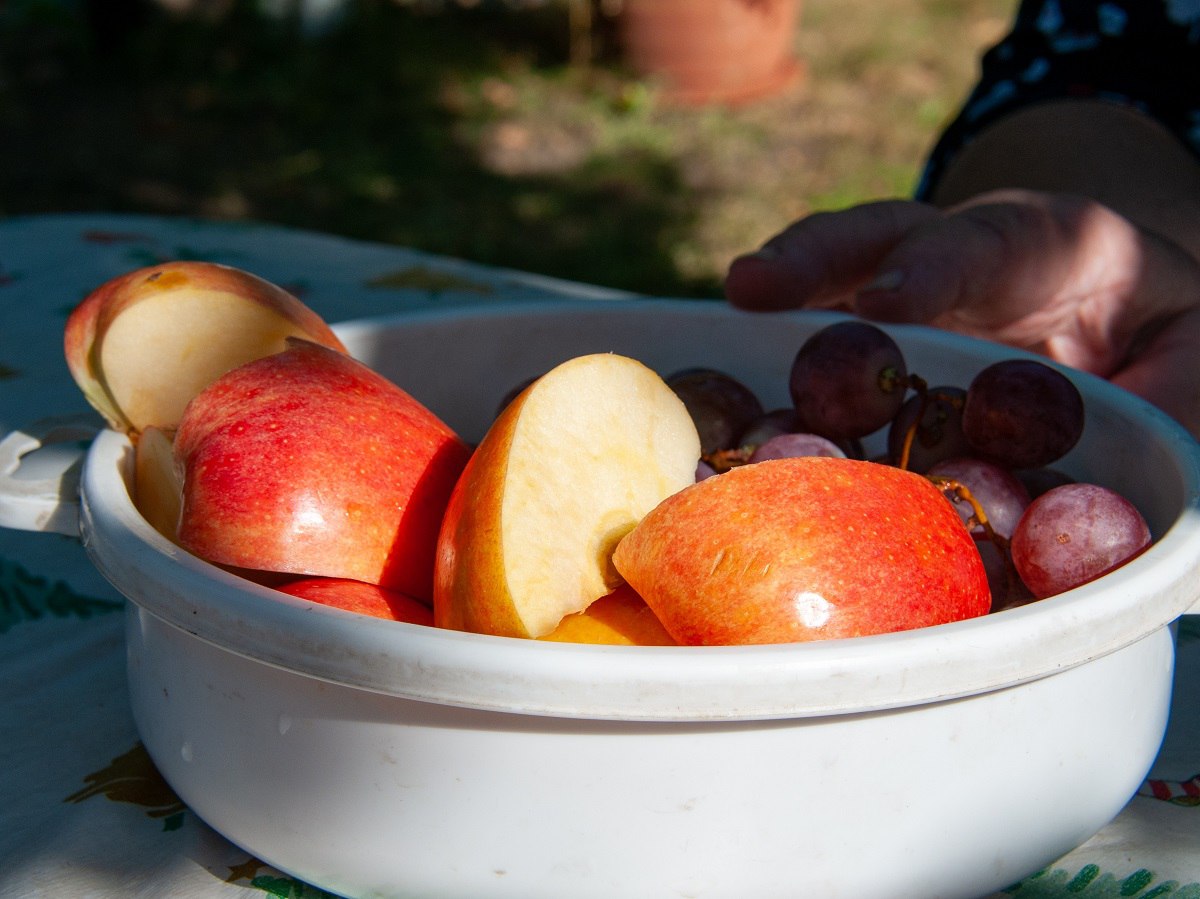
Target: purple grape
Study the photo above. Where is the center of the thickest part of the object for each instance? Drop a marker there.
(704, 470)
(998, 491)
(1008, 590)
(784, 421)
(721, 406)
(789, 446)
(939, 433)
(848, 380)
(1073, 534)
(768, 425)
(1022, 413)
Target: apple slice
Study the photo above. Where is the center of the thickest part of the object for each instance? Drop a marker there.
(157, 481)
(621, 618)
(565, 471)
(804, 549)
(359, 597)
(142, 345)
(309, 462)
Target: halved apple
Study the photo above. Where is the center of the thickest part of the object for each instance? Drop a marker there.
(801, 549)
(142, 345)
(566, 470)
(308, 462)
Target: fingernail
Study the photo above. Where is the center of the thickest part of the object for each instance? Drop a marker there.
(886, 281)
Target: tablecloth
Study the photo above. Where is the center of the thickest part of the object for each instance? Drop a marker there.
(84, 813)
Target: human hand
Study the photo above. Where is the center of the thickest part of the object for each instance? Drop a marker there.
(1053, 273)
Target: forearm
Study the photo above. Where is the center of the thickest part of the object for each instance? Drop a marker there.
(1104, 151)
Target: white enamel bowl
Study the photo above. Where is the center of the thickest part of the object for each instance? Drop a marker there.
(381, 759)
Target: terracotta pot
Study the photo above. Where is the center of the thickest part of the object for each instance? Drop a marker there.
(712, 51)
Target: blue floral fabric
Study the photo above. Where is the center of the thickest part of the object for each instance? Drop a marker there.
(1141, 53)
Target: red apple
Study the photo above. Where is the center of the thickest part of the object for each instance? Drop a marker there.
(309, 462)
(142, 345)
(356, 596)
(804, 549)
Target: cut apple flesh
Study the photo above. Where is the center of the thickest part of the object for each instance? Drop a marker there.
(621, 618)
(158, 482)
(163, 350)
(566, 471)
(582, 471)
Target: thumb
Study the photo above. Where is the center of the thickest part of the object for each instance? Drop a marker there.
(821, 260)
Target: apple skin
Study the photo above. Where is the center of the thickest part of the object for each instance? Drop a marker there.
(567, 468)
(804, 549)
(356, 596)
(620, 618)
(309, 462)
(188, 323)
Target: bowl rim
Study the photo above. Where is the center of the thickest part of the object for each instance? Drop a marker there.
(724, 683)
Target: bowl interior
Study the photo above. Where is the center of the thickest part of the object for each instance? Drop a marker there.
(461, 363)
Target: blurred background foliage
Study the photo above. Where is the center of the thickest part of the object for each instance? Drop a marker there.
(477, 130)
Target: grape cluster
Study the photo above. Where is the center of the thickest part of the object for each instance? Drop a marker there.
(990, 446)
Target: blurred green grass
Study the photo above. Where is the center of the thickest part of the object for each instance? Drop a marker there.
(469, 131)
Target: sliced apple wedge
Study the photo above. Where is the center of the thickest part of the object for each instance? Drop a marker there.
(621, 618)
(157, 482)
(142, 345)
(566, 470)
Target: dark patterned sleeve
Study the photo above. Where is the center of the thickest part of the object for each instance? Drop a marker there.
(1141, 53)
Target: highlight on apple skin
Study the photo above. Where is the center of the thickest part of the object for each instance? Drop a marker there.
(309, 462)
(804, 549)
(566, 470)
(141, 345)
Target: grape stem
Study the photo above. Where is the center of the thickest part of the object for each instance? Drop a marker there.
(723, 460)
(925, 395)
(955, 491)
(917, 383)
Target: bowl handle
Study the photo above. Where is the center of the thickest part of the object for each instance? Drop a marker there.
(45, 497)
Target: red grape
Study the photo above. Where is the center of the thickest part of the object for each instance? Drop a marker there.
(721, 406)
(998, 491)
(786, 446)
(1073, 534)
(848, 380)
(784, 421)
(937, 436)
(1022, 413)
(1008, 590)
(768, 425)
